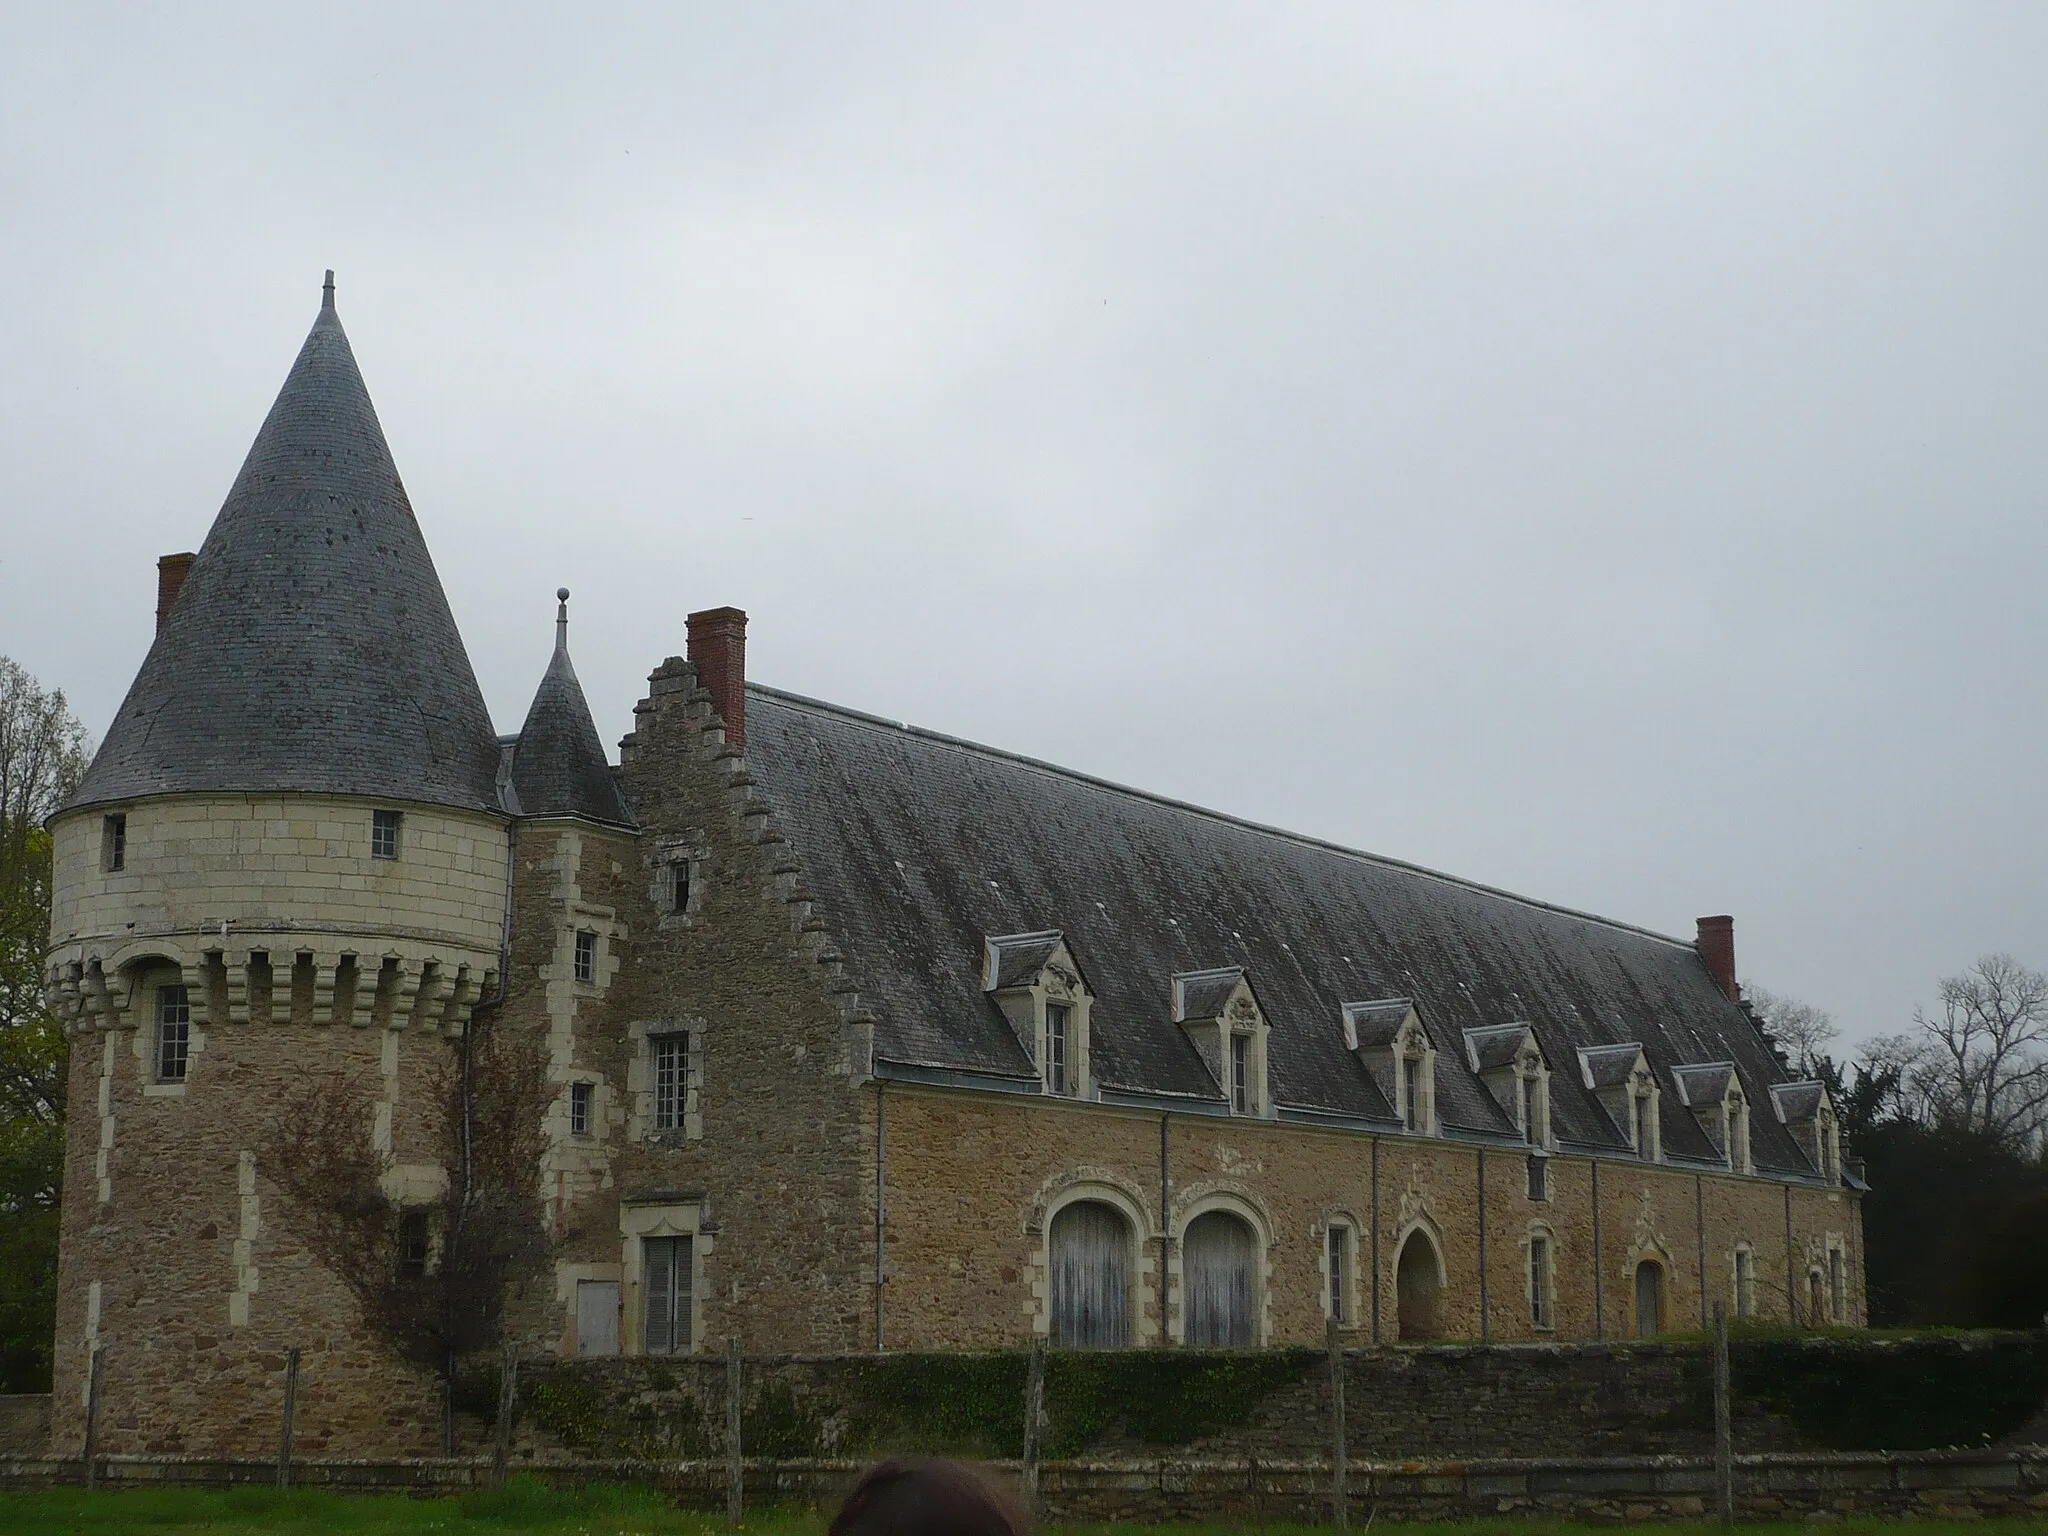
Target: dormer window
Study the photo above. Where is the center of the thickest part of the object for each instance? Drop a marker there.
(1035, 981)
(1510, 1063)
(1620, 1078)
(1222, 1016)
(1808, 1113)
(1389, 1038)
(1713, 1092)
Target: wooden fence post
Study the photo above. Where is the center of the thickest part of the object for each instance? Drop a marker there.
(1340, 1456)
(735, 1458)
(508, 1407)
(1034, 1423)
(291, 1413)
(92, 1419)
(1724, 1425)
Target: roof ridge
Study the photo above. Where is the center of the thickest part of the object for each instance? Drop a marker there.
(961, 743)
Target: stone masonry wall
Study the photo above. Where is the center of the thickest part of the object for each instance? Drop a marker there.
(972, 1177)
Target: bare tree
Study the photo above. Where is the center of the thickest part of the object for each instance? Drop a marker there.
(1801, 1031)
(1981, 1063)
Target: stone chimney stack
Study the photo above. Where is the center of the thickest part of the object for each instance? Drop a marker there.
(171, 571)
(1716, 945)
(718, 649)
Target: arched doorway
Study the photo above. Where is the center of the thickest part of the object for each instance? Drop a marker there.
(1649, 1299)
(1090, 1253)
(1217, 1256)
(1419, 1288)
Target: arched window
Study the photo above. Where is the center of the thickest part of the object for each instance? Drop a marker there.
(1217, 1256)
(1419, 1288)
(1091, 1276)
(1649, 1299)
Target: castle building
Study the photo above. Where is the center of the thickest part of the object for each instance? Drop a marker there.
(857, 1036)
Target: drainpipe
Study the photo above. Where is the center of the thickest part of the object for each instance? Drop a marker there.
(1699, 1200)
(1485, 1311)
(1599, 1263)
(1165, 1220)
(881, 1205)
(1376, 1240)
(1791, 1274)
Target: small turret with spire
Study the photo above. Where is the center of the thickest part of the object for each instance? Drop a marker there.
(558, 765)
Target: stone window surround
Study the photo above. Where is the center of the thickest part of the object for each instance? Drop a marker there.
(1347, 1224)
(114, 843)
(640, 1035)
(1105, 1189)
(1543, 1230)
(1411, 1042)
(148, 979)
(1238, 1017)
(660, 1217)
(1633, 1105)
(691, 850)
(1741, 1280)
(1241, 1204)
(1520, 1087)
(1837, 1262)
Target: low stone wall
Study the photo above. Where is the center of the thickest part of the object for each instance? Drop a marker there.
(1930, 1484)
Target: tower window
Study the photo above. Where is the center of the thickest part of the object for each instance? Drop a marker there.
(580, 1097)
(1056, 1016)
(173, 1033)
(671, 1081)
(1241, 1074)
(384, 832)
(679, 885)
(412, 1245)
(586, 957)
(114, 842)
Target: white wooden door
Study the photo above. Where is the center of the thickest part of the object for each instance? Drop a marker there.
(597, 1317)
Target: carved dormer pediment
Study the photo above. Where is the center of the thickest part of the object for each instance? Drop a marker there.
(1619, 1077)
(1388, 1035)
(1040, 988)
(1222, 1016)
(1806, 1110)
(1712, 1090)
(1509, 1061)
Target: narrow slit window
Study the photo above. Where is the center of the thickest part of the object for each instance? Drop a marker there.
(1241, 1073)
(580, 1096)
(679, 885)
(1539, 1281)
(671, 1081)
(586, 957)
(173, 1033)
(1745, 1283)
(115, 837)
(1056, 1015)
(1411, 1092)
(385, 827)
(1340, 1272)
(1539, 1177)
(412, 1245)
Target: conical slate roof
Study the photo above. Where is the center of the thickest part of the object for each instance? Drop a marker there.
(559, 766)
(311, 648)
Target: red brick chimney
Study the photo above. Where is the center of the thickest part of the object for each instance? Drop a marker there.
(1717, 947)
(171, 571)
(718, 649)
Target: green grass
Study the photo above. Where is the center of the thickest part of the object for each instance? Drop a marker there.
(531, 1508)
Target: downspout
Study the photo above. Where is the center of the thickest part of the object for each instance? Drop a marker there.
(1699, 1202)
(1599, 1263)
(1791, 1280)
(881, 1205)
(1485, 1310)
(1376, 1240)
(1165, 1220)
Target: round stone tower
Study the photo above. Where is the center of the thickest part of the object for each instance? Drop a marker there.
(289, 856)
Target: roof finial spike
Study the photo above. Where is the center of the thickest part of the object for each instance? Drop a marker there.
(562, 619)
(327, 291)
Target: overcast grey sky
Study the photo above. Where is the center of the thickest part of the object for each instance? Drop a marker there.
(1594, 450)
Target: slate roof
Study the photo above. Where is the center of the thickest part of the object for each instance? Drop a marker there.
(311, 648)
(558, 763)
(919, 847)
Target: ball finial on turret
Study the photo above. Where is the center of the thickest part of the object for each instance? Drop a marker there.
(561, 594)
